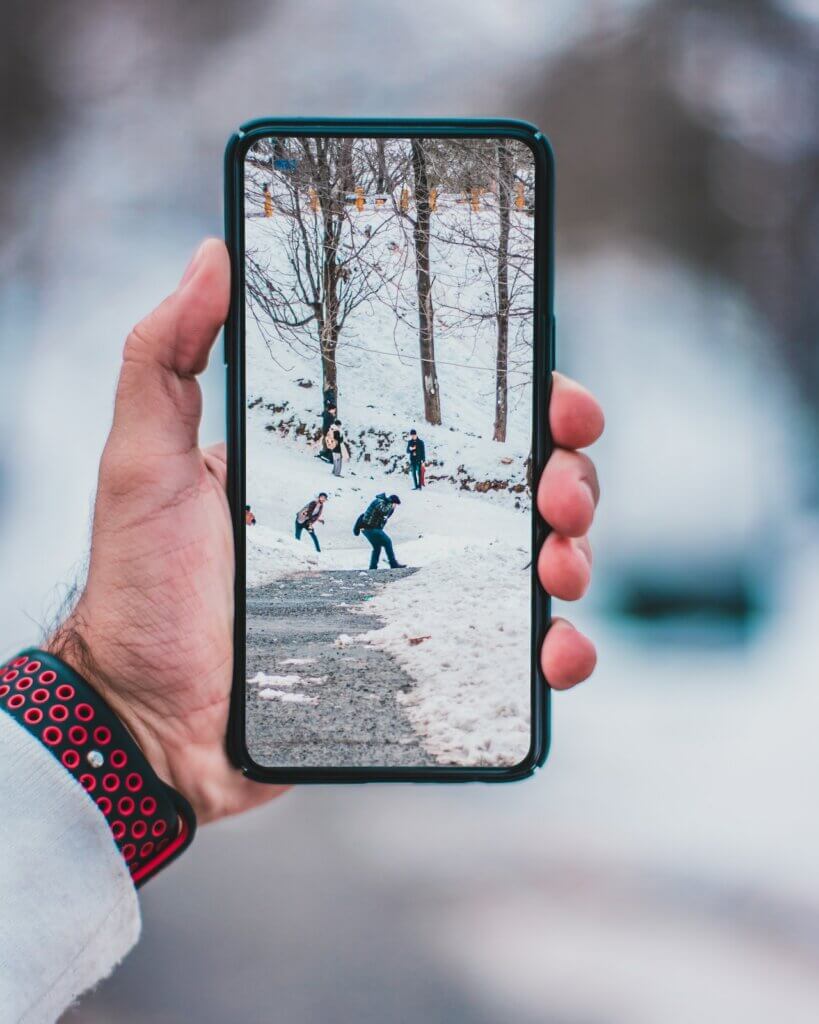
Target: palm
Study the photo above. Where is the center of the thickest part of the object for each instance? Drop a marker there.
(156, 617)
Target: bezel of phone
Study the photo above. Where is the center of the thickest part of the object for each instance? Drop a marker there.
(544, 356)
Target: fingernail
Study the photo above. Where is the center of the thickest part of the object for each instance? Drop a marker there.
(582, 545)
(190, 270)
(591, 491)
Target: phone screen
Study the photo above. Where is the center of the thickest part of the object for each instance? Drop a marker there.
(389, 360)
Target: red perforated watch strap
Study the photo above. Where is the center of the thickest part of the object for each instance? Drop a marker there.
(151, 823)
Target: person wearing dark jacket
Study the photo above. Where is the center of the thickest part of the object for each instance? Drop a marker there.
(418, 456)
(373, 521)
(328, 418)
(307, 517)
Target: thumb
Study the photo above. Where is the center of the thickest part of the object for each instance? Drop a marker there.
(159, 403)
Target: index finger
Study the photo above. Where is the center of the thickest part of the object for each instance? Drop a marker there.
(575, 416)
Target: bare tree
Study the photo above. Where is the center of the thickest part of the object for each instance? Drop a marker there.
(495, 283)
(381, 179)
(326, 274)
(505, 175)
(426, 313)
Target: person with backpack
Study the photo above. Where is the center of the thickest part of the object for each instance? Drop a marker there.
(307, 517)
(418, 456)
(371, 523)
(336, 445)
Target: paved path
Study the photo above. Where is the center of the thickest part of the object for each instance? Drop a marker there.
(348, 713)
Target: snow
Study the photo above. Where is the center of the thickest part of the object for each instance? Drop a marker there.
(471, 593)
(286, 697)
(471, 704)
(265, 680)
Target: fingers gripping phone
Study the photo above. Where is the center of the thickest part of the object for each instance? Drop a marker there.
(389, 353)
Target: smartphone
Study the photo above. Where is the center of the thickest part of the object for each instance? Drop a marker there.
(389, 354)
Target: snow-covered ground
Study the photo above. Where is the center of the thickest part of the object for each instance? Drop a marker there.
(460, 625)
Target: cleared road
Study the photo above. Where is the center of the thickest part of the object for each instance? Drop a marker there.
(342, 709)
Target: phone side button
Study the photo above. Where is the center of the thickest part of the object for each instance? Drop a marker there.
(553, 344)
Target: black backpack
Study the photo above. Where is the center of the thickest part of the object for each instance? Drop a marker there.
(373, 514)
(359, 523)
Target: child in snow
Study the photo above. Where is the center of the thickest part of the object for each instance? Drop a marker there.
(250, 519)
(307, 517)
(372, 522)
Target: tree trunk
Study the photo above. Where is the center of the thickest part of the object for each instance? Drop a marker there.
(502, 357)
(329, 376)
(328, 326)
(381, 179)
(426, 316)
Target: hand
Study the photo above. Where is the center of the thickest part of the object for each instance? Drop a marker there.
(152, 630)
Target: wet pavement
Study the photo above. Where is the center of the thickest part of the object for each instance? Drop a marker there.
(337, 706)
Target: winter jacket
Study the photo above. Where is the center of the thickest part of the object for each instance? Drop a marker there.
(378, 512)
(310, 514)
(416, 450)
(334, 442)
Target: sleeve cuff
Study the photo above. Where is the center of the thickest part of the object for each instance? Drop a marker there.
(68, 909)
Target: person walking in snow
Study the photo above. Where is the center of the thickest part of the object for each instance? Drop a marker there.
(371, 523)
(337, 446)
(418, 456)
(307, 517)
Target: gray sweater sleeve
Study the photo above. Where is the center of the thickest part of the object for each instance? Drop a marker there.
(68, 910)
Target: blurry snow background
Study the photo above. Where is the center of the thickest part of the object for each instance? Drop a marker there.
(663, 866)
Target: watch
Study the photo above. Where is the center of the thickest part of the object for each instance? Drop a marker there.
(151, 823)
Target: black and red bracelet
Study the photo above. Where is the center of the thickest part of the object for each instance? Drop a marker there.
(151, 823)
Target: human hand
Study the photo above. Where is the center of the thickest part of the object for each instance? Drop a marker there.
(152, 630)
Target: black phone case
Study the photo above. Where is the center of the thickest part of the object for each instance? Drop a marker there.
(544, 356)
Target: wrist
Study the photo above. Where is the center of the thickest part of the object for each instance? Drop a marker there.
(150, 822)
(107, 671)
(73, 642)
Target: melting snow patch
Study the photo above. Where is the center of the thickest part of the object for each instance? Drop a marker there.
(286, 697)
(264, 680)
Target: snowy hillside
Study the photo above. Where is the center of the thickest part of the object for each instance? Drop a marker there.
(459, 626)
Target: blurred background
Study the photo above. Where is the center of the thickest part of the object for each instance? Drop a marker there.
(663, 867)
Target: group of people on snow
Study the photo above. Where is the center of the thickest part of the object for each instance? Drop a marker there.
(370, 523)
(335, 447)
(373, 520)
